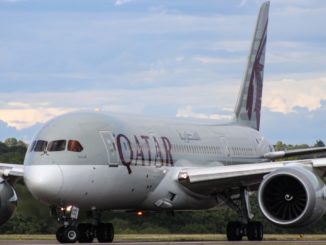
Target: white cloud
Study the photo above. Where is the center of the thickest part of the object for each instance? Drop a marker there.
(152, 75)
(296, 57)
(121, 2)
(280, 95)
(11, 1)
(232, 45)
(285, 94)
(217, 60)
(242, 3)
(28, 111)
(179, 58)
(187, 112)
(23, 118)
(18, 104)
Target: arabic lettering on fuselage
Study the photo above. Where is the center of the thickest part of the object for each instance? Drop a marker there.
(144, 150)
(188, 136)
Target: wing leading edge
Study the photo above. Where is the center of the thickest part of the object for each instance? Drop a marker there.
(9, 169)
(293, 153)
(212, 180)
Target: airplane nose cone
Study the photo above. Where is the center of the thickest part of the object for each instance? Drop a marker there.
(43, 181)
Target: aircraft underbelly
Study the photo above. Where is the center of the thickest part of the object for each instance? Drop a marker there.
(107, 187)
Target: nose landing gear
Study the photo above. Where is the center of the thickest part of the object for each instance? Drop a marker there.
(72, 232)
(67, 234)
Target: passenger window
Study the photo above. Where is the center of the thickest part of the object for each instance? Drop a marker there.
(57, 145)
(74, 145)
(40, 145)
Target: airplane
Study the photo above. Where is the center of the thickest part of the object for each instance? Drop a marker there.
(96, 162)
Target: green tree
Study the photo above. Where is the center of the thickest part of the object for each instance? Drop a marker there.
(280, 146)
(319, 143)
(11, 142)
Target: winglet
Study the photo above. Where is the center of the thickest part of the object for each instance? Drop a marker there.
(248, 107)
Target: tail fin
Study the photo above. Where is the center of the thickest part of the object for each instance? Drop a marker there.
(247, 109)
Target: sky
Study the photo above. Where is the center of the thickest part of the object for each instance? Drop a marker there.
(168, 58)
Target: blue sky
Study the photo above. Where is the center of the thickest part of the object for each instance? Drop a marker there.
(180, 58)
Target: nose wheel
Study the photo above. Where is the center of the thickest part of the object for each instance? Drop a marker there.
(67, 234)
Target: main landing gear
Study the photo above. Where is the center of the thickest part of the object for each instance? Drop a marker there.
(72, 232)
(236, 230)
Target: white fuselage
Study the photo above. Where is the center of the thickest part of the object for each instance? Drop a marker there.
(132, 163)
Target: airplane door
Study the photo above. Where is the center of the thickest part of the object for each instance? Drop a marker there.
(227, 153)
(110, 146)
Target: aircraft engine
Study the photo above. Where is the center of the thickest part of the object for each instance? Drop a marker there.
(292, 196)
(8, 201)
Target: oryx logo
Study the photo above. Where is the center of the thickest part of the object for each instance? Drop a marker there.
(256, 82)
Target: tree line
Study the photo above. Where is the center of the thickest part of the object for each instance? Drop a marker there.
(32, 217)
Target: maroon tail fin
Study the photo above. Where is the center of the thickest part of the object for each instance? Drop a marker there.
(248, 107)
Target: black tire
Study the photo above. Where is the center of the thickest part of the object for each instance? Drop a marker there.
(59, 235)
(105, 232)
(70, 234)
(255, 231)
(86, 233)
(234, 231)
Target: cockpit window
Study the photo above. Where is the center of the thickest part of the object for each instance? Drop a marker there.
(31, 148)
(57, 145)
(40, 145)
(74, 145)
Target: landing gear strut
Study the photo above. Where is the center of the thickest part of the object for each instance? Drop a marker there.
(236, 230)
(72, 232)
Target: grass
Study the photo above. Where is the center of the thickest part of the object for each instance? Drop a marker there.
(174, 237)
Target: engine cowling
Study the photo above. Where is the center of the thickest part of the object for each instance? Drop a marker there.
(292, 196)
(8, 201)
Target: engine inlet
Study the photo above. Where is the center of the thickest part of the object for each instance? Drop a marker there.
(284, 197)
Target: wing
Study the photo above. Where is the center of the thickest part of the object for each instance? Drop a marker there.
(212, 180)
(11, 170)
(293, 153)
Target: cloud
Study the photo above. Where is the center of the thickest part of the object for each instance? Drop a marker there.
(181, 57)
(39, 107)
(122, 2)
(187, 112)
(242, 3)
(295, 53)
(24, 118)
(217, 60)
(23, 109)
(232, 45)
(298, 127)
(18, 104)
(285, 95)
(11, 1)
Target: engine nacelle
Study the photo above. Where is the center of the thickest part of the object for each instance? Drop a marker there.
(8, 201)
(292, 196)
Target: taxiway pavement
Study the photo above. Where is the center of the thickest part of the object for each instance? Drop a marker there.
(45, 242)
